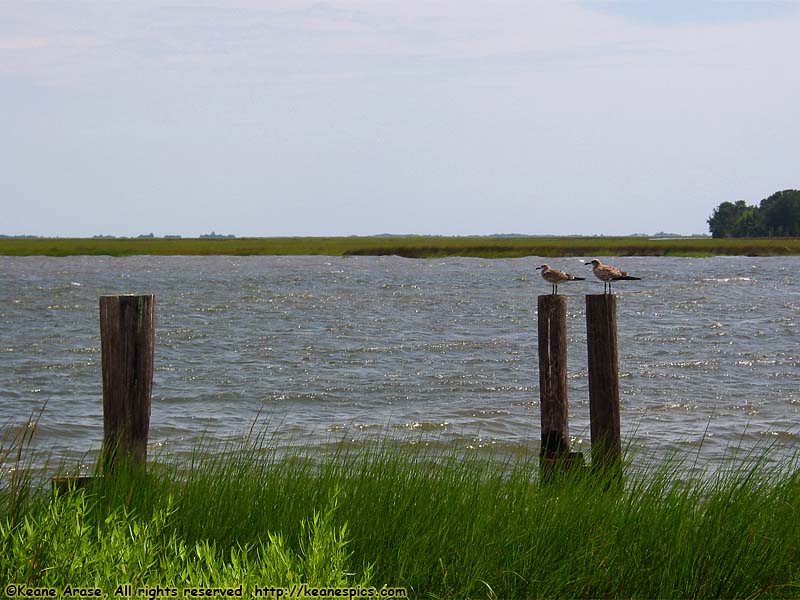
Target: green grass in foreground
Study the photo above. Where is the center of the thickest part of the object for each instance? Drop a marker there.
(440, 524)
(410, 246)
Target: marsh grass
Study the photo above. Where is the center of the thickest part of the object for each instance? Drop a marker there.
(442, 523)
(407, 246)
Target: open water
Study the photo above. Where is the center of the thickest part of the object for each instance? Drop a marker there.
(317, 350)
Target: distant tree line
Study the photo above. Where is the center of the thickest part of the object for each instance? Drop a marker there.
(776, 216)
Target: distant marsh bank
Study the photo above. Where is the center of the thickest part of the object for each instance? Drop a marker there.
(406, 246)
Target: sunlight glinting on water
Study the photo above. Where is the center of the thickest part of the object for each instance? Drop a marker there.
(324, 349)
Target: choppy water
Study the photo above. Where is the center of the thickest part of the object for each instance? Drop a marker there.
(443, 350)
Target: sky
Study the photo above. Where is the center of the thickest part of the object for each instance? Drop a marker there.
(362, 117)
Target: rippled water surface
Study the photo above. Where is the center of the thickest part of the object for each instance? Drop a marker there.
(320, 349)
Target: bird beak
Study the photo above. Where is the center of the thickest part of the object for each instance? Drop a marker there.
(537, 268)
(588, 263)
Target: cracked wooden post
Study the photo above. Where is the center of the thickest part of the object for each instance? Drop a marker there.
(601, 339)
(127, 335)
(553, 380)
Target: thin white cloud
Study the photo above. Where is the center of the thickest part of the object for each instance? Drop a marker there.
(23, 42)
(332, 115)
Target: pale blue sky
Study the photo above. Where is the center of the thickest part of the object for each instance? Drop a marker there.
(366, 116)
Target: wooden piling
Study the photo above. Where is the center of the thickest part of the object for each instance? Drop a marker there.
(127, 336)
(601, 338)
(553, 377)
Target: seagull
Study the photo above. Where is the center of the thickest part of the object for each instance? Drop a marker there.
(555, 277)
(607, 274)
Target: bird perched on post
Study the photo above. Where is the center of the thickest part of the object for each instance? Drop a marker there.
(555, 276)
(607, 274)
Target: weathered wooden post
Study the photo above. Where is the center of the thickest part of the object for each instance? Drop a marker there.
(553, 379)
(601, 339)
(127, 335)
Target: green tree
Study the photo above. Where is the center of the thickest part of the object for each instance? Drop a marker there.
(750, 223)
(781, 213)
(776, 216)
(722, 222)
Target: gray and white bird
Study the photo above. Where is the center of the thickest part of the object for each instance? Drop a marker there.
(607, 274)
(556, 276)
